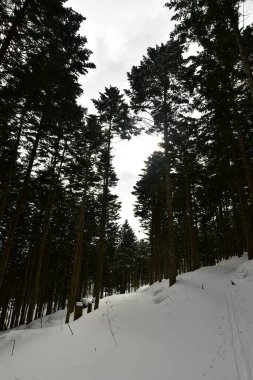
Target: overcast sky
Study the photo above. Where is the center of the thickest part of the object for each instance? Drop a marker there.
(119, 33)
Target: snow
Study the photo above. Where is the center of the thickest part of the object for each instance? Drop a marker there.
(86, 301)
(201, 328)
(245, 270)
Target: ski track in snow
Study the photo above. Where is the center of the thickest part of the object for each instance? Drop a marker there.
(241, 345)
(239, 338)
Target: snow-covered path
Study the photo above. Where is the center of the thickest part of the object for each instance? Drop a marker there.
(238, 343)
(201, 328)
(237, 316)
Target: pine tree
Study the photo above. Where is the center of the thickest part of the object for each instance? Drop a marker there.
(126, 257)
(200, 18)
(85, 149)
(116, 121)
(154, 85)
(150, 207)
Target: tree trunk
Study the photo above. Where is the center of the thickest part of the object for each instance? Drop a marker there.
(237, 221)
(241, 142)
(169, 203)
(26, 281)
(20, 204)
(247, 225)
(224, 232)
(245, 160)
(156, 237)
(103, 219)
(31, 267)
(194, 255)
(245, 209)
(77, 260)
(43, 239)
(101, 247)
(152, 246)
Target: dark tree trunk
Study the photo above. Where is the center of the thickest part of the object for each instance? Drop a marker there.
(152, 245)
(25, 283)
(42, 244)
(224, 232)
(242, 144)
(169, 203)
(75, 280)
(237, 222)
(247, 222)
(245, 209)
(20, 204)
(245, 159)
(103, 220)
(192, 234)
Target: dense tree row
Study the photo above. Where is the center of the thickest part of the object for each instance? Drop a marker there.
(195, 198)
(58, 217)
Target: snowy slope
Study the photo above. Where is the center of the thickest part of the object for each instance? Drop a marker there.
(201, 328)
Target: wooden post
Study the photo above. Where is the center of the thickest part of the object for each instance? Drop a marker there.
(78, 310)
(89, 308)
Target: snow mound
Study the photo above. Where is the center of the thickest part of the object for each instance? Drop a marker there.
(161, 291)
(162, 296)
(245, 270)
(156, 289)
(142, 289)
(48, 320)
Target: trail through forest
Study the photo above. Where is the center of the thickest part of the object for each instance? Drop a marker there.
(201, 328)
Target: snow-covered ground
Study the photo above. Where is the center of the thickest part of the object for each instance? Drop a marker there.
(201, 328)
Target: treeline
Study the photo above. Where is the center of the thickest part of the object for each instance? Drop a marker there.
(58, 217)
(195, 197)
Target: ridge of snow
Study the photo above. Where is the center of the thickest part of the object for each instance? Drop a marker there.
(245, 270)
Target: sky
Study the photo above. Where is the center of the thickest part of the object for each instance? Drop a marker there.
(119, 33)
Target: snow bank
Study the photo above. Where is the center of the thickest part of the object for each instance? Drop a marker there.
(54, 319)
(200, 328)
(245, 270)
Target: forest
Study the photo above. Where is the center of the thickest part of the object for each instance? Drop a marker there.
(60, 237)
